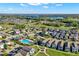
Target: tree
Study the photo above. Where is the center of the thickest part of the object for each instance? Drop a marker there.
(5, 46)
(75, 24)
(68, 20)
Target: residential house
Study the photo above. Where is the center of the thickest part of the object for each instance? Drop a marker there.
(78, 47)
(59, 47)
(73, 47)
(49, 43)
(66, 47)
(53, 45)
(26, 50)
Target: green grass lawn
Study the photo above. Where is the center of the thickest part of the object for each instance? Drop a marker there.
(52, 27)
(53, 52)
(41, 54)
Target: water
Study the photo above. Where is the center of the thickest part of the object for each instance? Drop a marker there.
(26, 41)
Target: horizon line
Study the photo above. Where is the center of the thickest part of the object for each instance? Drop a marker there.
(42, 13)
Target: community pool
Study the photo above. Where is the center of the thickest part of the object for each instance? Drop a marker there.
(26, 41)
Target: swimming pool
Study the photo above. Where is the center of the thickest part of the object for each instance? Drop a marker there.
(26, 41)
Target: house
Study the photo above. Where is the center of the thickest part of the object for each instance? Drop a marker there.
(73, 35)
(18, 54)
(17, 32)
(76, 36)
(15, 51)
(54, 33)
(53, 45)
(44, 42)
(57, 35)
(1, 46)
(1, 35)
(26, 50)
(21, 53)
(73, 47)
(78, 47)
(4, 41)
(66, 47)
(41, 34)
(12, 32)
(64, 34)
(49, 43)
(39, 42)
(59, 47)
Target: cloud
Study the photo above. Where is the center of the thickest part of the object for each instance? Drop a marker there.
(5, 10)
(10, 8)
(45, 7)
(21, 4)
(59, 4)
(34, 4)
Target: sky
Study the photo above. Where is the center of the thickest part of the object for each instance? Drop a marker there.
(39, 8)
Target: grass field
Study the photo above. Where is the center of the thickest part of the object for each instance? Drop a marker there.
(52, 27)
(53, 52)
(41, 54)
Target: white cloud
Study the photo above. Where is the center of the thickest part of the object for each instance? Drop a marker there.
(34, 4)
(23, 4)
(59, 4)
(7, 9)
(10, 8)
(45, 6)
(4, 10)
(27, 11)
